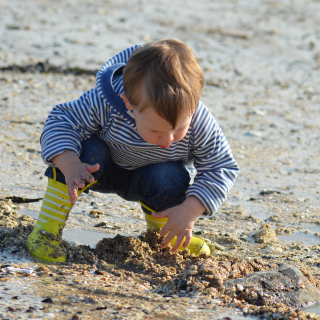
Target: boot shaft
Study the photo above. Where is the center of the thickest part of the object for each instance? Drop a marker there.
(44, 240)
(55, 208)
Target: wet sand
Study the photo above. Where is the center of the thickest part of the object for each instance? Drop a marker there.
(261, 65)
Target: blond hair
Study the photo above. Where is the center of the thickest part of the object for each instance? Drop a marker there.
(165, 75)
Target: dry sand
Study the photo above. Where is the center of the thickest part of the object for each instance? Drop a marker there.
(261, 63)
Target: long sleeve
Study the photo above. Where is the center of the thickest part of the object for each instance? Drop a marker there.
(70, 123)
(217, 170)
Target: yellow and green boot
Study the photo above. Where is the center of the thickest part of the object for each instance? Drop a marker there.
(196, 246)
(44, 240)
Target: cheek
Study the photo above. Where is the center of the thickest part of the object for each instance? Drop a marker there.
(180, 135)
(145, 134)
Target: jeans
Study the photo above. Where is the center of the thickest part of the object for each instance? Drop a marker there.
(160, 186)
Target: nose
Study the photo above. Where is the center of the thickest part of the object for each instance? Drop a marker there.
(166, 139)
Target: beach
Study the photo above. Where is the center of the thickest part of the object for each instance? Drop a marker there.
(261, 63)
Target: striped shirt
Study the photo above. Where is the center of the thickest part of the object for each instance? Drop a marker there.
(101, 111)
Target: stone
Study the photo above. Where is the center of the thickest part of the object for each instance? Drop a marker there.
(265, 235)
(285, 285)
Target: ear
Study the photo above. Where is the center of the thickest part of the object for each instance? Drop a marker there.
(126, 101)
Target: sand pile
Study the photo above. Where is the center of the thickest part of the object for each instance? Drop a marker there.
(167, 273)
(14, 229)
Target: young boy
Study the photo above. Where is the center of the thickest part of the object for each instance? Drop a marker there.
(133, 135)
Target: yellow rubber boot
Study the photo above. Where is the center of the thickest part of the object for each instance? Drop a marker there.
(196, 246)
(44, 240)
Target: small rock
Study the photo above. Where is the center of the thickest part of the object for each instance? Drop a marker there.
(240, 287)
(101, 224)
(273, 249)
(286, 285)
(253, 134)
(95, 213)
(47, 300)
(265, 235)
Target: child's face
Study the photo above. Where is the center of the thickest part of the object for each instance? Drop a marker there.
(155, 129)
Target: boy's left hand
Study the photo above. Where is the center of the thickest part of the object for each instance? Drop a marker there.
(180, 222)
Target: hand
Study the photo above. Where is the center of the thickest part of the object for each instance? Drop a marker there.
(75, 172)
(180, 222)
(76, 175)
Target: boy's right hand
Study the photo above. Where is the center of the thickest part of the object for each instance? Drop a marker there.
(75, 172)
(76, 175)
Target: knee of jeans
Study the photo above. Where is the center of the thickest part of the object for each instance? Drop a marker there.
(94, 150)
(168, 177)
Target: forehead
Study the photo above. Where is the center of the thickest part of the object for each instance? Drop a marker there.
(151, 120)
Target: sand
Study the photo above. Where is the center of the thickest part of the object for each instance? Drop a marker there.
(261, 65)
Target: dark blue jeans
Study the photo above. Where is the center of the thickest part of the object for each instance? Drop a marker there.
(160, 186)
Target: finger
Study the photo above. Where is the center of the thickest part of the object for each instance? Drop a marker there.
(79, 182)
(165, 230)
(178, 243)
(88, 177)
(72, 191)
(161, 214)
(167, 240)
(93, 167)
(188, 239)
